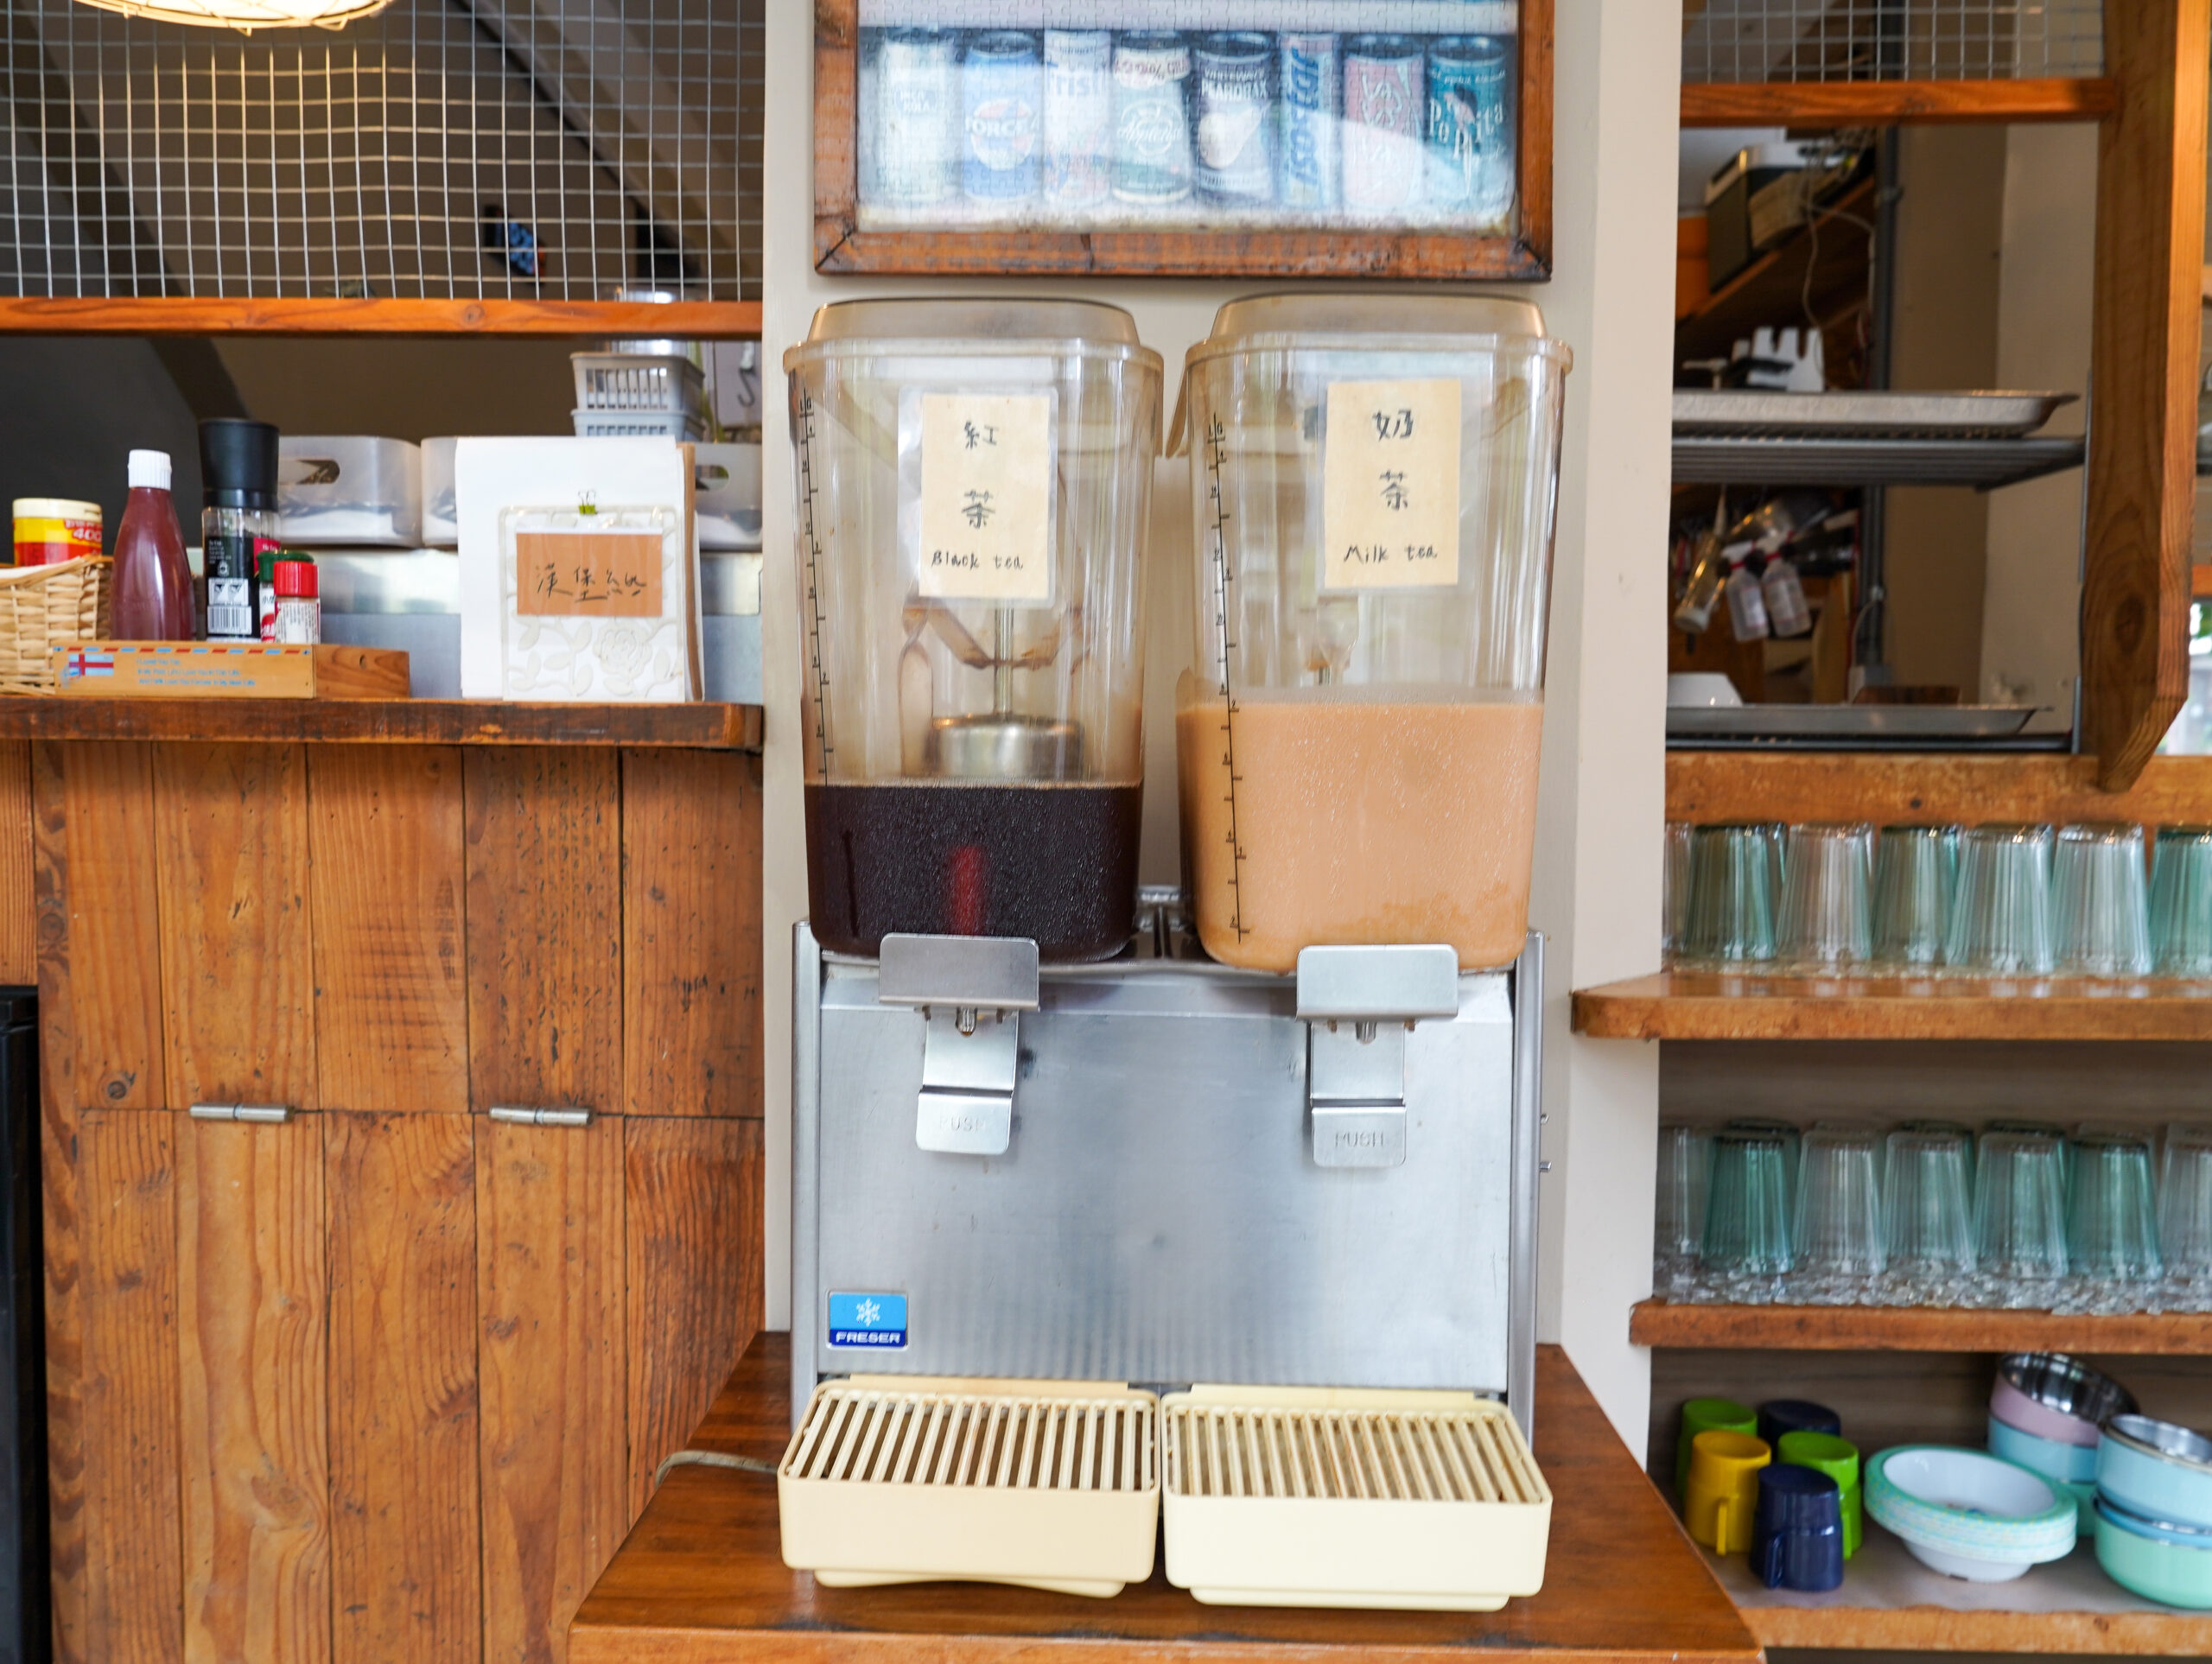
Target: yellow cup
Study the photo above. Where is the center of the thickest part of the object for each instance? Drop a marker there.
(1724, 1489)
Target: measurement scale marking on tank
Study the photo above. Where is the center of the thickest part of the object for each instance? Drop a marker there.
(1224, 580)
(813, 581)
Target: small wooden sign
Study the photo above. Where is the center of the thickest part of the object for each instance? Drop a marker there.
(587, 574)
(228, 669)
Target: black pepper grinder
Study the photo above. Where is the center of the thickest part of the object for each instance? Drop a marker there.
(238, 476)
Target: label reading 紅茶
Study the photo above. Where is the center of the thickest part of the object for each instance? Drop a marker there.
(1390, 485)
(985, 514)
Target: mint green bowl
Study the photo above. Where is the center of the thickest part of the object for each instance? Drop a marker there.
(2173, 1574)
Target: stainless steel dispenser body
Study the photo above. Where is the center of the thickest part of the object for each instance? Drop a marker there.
(1158, 1214)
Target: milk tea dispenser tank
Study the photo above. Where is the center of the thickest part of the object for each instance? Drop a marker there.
(1373, 481)
(974, 480)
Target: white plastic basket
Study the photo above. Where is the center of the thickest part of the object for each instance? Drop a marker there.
(638, 424)
(1051, 1484)
(1301, 1496)
(638, 381)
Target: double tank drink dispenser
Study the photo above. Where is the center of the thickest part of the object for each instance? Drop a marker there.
(1212, 1206)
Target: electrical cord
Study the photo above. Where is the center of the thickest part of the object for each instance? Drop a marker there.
(710, 1460)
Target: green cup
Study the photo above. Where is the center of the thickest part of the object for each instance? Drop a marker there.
(1839, 1459)
(1709, 1415)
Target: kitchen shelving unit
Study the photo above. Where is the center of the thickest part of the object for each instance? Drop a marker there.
(1915, 1329)
(1987, 464)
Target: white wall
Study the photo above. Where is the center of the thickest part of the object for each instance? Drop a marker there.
(1598, 868)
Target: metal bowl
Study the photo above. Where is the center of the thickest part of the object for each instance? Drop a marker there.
(2067, 1386)
(2164, 1439)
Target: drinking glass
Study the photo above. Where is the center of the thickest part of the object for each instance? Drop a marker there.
(1927, 1221)
(1793, 1140)
(2185, 1215)
(2112, 1230)
(2100, 922)
(1745, 1251)
(1732, 896)
(2000, 908)
(1685, 1163)
(2051, 1129)
(2181, 901)
(1675, 917)
(1957, 1129)
(1827, 913)
(1836, 1248)
(2019, 1219)
(1914, 868)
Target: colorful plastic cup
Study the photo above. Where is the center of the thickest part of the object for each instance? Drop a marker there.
(1709, 1415)
(1797, 1529)
(1778, 1416)
(1839, 1459)
(1724, 1491)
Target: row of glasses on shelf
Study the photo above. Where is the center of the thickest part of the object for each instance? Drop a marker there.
(2023, 1214)
(1989, 901)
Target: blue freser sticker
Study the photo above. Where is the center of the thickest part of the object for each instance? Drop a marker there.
(867, 1320)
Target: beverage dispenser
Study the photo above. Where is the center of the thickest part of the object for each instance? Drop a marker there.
(974, 481)
(1373, 479)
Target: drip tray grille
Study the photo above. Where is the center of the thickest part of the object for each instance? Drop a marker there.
(1045, 1483)
(1275, 1496)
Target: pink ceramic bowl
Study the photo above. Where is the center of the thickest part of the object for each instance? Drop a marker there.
(2024, 1414)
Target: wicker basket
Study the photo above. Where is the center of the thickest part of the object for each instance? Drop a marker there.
(43, 607)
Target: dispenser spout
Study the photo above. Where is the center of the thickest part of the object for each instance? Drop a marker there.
(1359, 1004)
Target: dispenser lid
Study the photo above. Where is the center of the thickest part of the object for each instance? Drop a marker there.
(982, 317)
(1374, 314)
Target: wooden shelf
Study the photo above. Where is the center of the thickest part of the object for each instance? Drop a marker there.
(1772, 288)
(699, 726)
(1890, 1602)
(320, 315)
(1703, 1006)
(1872, 104)
(1928, 788)
(1901, 1328)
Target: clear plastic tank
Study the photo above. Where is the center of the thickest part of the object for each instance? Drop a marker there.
(1374, 480)
(974, 482)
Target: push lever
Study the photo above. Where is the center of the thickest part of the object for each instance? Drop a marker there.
(1359, 1004)
(971, 991)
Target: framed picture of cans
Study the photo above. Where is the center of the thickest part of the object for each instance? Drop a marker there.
(1308, 137)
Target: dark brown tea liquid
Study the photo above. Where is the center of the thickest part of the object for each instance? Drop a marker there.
(1057, 863)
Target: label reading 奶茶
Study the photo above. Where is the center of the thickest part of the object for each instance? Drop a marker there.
(986, 509)
(1390, 485)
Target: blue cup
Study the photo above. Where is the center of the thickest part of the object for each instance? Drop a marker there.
(1798, 1530)
(1778, 1416)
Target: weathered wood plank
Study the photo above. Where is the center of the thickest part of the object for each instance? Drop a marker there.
(405, 1547)
(693, 1204)
(253, 1361)
(554, 1445)
(382, 721)
(324, 314)
(110, 922)
(386, 886)
(127, 1538)
(231, 851)
(18, 904)
(690, 934)
(544, 938)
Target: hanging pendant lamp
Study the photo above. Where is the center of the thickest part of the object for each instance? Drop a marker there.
(246, 16)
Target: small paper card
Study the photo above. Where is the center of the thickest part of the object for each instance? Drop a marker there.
(588, 574)
(986, 498)
(1390, 485)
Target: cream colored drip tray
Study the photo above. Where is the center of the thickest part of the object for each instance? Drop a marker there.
(902, 1479)
(1291, 1496)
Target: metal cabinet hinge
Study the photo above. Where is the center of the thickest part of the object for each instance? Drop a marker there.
(518, 1117)
(266, 1113)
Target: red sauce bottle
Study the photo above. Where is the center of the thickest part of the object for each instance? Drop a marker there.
(153, 583)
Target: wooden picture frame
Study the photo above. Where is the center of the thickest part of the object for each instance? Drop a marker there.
(841, 246)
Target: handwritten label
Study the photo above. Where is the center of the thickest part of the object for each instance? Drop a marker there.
(587, 574)
(1390, 485)
(986, 476)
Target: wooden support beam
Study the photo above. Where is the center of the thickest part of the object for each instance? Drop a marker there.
(1886, 104)
(2150, 241)
(26, 315)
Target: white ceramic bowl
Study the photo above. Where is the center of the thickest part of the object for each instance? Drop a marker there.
(1967, 1513)
(1701, 690)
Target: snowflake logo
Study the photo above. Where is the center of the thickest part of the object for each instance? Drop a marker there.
(867, 1314)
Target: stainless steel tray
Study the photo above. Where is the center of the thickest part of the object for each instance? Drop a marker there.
(1749, 413)
(1848, 721)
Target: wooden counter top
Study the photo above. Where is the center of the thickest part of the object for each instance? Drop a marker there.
(700, 1578)
(695, 725)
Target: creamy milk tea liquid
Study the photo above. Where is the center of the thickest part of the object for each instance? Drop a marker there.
(1358, 816)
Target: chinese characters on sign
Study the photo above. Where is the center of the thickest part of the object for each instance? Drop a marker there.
(607, 574)
(1390, 485)
(986, 507)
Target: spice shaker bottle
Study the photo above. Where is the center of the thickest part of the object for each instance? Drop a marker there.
(299, 602)
(153, 582)
(237, 472)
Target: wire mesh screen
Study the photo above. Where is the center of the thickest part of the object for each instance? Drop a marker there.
(555, 149)
(1890, 39)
